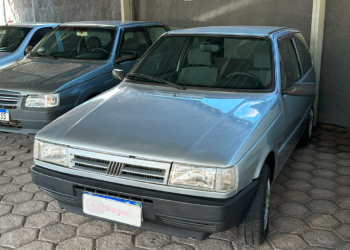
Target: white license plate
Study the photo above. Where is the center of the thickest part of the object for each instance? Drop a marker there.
(4, 115)
(111, 208)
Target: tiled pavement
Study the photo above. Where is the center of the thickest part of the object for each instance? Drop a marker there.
(310, 206)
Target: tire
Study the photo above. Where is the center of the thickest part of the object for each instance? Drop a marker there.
(255, 227)
(306, 137)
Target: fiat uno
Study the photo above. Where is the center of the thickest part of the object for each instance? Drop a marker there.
(192, 139)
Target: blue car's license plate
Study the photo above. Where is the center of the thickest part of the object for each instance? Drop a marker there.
(4, 115)
(112, 208)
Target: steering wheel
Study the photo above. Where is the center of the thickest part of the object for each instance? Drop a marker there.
(100, 49)
(255, 79)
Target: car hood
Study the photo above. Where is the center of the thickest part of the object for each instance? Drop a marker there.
(41, 76)
(189, 126)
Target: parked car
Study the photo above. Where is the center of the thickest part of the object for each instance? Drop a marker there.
(192, 139)
(69, 66)
(16, 37)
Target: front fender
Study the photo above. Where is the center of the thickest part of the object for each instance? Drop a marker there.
(249, 167)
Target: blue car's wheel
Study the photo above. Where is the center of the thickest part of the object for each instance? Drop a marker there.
(255, 226)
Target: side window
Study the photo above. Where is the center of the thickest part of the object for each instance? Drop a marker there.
(134, 40)
(305, 57)
(290, 66)
(38, 35)
(155, 32)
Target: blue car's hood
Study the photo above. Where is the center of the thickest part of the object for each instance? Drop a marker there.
(168, 124)
(42, 76)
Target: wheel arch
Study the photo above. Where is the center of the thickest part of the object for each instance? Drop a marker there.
(271, 162)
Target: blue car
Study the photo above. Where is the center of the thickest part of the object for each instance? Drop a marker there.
(71, 65)
(191, 141)
(16, 38)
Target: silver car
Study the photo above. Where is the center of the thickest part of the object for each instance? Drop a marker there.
(192, 139)
(17, 37)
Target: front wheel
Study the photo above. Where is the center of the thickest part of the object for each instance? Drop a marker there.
(305, 139)
(255, 226)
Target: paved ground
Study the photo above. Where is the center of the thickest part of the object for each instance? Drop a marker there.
(310, 206)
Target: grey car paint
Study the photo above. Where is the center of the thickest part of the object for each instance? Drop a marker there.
(19, 53)
(75, 80)
(212, 128)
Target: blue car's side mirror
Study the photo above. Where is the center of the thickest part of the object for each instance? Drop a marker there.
(118, 74)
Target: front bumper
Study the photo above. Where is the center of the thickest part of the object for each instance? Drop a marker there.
(30, 120)
(169, 213)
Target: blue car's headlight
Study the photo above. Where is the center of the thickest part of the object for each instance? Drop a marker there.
(53, 153)
(202, 177)
(43, 101)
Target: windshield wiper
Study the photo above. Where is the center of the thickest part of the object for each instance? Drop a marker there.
(156, 79)
(44, 55)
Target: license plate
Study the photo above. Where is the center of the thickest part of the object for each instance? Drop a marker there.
(112, 208)
(4, 115)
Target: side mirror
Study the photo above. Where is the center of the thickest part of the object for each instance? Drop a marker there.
(301, 89)
(118, 74)
(28, 50)
(126, 56)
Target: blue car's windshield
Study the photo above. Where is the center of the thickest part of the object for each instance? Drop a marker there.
(209, 61)
(77, 43)
(12, 37)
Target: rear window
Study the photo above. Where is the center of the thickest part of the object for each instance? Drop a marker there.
(305, 57)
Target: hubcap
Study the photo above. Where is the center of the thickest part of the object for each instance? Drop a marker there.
(267, 204)
(311, 122)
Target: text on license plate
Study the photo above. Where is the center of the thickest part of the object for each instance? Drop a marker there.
(4, 115)
(112, 208)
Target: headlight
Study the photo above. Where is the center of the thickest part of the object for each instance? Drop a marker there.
(201, 177)
(43, 101)
(57, 154)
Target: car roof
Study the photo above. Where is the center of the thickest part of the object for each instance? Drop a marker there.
(228, 30)
(109, 23)
(30, 25)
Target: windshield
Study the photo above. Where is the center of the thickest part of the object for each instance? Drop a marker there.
(12, 37)
(77, 43)
(210, 61)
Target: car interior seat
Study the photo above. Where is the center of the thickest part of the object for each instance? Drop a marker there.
(199, 71)
(262, 68)
(93, 42)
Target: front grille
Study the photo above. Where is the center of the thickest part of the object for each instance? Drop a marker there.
(120, 167)
(11, 124)
(9, 100)
(187, 224)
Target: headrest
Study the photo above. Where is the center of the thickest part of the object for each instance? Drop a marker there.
(198, 57)
(131, 44)
(207, 47)
(262, 61)
(93, 42)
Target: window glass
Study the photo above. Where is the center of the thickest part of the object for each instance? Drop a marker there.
(135, 41)
(155, 32)
(38, 35)
(210, 61)
(305, 57)
(12, 37)
(77, 42)
(290, 65)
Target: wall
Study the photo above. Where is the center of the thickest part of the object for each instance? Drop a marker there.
(183, 14)
(66, 10)
(334, 98)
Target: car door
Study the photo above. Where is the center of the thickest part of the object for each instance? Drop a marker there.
(295, 108)
(131, 40)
